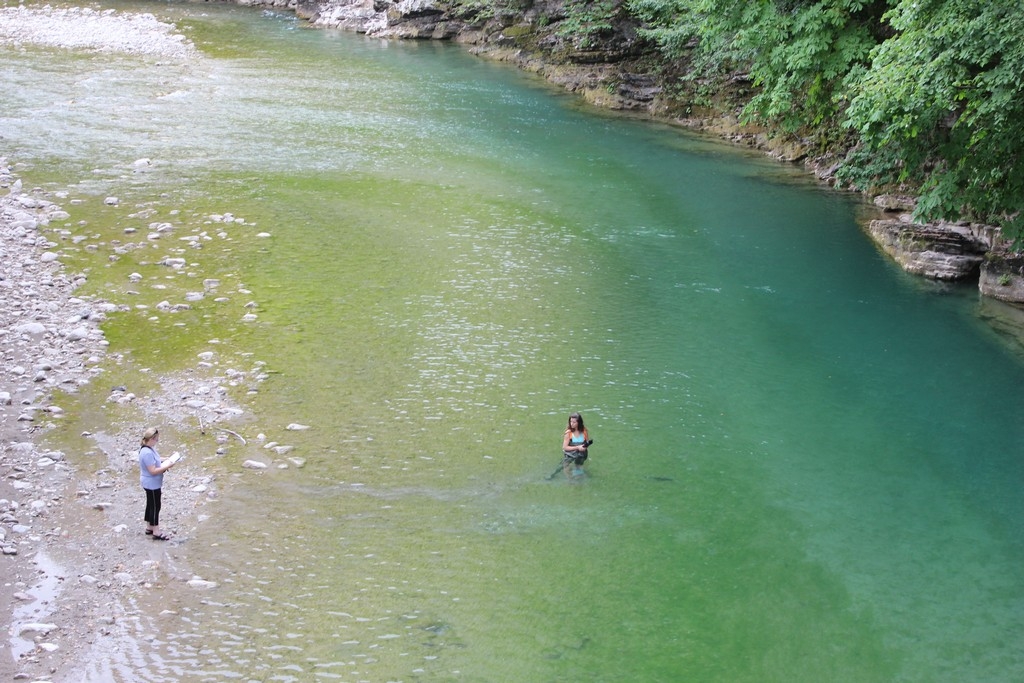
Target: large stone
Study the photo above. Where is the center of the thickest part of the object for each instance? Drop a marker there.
(1005, 318)
(893, 202)
(34, 329)
(939, 251)
(1002, 276)
(353, 15)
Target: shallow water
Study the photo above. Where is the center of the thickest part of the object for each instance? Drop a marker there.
(807, 464)
(32, 618)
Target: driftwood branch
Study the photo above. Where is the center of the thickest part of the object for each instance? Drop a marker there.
(202, 430)
(236, 434)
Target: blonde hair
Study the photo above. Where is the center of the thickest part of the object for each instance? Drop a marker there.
(149, 434)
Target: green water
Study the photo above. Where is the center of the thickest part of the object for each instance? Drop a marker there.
(807, 464)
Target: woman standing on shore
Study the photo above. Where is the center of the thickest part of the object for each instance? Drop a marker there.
(152, 477)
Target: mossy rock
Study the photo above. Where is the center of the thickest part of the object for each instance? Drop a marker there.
(518, 31)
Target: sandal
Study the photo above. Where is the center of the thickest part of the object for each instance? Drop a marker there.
(149, 532)
(160, 537)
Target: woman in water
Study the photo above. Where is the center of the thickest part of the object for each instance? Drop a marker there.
(574, 445)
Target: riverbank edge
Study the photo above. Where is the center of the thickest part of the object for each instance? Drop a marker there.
(619, 74)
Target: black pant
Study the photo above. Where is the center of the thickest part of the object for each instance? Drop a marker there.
(152, 507)
(574, 457)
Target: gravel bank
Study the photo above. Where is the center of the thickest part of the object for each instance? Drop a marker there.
(79, 577)
(87, 29)
(74, 558)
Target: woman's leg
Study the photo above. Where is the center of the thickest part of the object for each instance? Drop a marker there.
(156, 508)
(153, 508)
(149, 508)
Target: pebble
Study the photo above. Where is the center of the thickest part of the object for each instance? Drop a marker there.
(34, 627)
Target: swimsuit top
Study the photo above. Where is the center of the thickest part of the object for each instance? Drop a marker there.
(577, 440)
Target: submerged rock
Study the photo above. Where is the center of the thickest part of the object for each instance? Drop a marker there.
(1006, 319)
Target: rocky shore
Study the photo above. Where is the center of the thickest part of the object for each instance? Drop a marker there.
(77, 569)
(72, 543)
(50, 340)
(99, 30)
(79, 575)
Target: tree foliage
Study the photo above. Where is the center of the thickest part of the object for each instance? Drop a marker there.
(587, 19)
(940, 107)
(797, 52)
(930, 91)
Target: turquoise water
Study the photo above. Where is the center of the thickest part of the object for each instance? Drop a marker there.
(807, 464)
